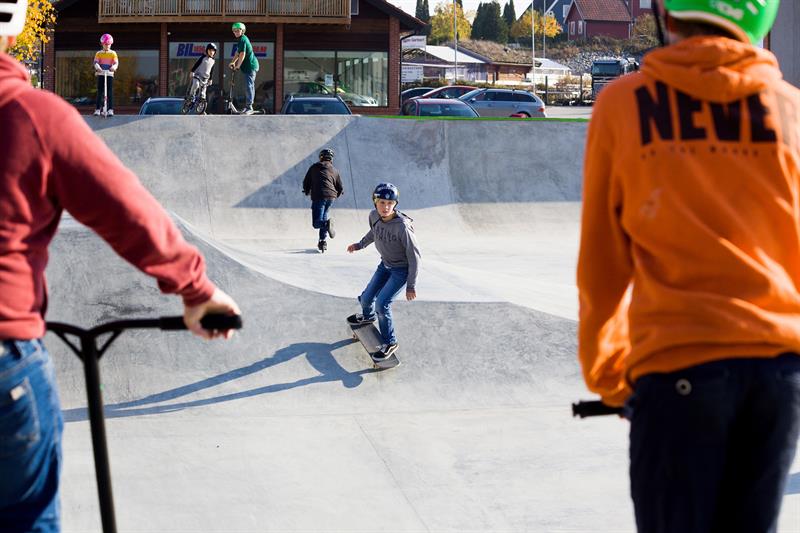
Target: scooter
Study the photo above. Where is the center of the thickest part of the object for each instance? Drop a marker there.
(230, 108)
(90, 353)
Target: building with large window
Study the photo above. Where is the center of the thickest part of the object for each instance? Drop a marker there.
(345, 47)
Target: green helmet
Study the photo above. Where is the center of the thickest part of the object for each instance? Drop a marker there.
(239, 26)
(749, 20)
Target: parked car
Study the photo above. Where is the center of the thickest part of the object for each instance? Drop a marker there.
(411, 93)
(314, 105)
(504, 103)
(162, 105)
(438, 107)
(450, 91)
(313, 87)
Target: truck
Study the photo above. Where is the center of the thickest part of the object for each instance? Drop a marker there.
(607, 69)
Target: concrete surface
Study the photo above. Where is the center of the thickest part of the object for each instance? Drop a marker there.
(287, 427)
(785, 40)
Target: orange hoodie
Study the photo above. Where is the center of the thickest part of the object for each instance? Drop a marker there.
(690, 242)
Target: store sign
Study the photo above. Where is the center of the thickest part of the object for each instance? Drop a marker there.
(411, 73)
(415, 41)
(181, 50)
(261, 50)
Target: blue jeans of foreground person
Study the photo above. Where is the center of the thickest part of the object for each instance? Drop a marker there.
(320, 213)
(382, 289)
(711, 446)
(30, 439)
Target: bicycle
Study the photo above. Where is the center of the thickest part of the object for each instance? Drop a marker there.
(90, 353)
(197, 101)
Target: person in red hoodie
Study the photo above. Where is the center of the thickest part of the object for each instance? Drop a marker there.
(49, 161)
(689, 269)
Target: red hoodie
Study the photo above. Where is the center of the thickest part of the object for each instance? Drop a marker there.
(50, 160)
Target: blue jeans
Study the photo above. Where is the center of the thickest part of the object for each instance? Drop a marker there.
(320, 214)
(711, 446)
(30, 439)
(382, 289)
(250, 87)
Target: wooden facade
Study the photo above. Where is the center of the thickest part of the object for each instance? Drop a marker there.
(376, 26)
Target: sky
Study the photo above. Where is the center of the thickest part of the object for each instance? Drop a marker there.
(410, 6)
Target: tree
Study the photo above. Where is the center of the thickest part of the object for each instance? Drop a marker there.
(522, 28)
(478, 22)
(442, 23)
(41, 14)
(423, 13)
(644, 31)
(509, 15)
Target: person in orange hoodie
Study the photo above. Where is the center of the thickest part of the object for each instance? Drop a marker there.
(50, 161)
(689, 269)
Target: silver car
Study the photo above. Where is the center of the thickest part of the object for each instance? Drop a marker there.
(505, 103)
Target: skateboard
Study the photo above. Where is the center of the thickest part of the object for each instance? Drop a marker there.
(370, 338)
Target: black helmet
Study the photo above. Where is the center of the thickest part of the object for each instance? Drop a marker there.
(386, 191)
(326, 154)
(211, 46)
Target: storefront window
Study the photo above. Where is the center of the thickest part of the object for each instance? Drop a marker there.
(265, 79)
(135, 81)
(360, 78)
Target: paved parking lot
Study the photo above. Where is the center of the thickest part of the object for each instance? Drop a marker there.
(569, 112)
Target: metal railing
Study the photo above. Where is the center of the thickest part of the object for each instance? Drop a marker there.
(220, 8)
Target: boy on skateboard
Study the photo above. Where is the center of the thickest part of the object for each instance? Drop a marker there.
(393, 235)
(324, 184)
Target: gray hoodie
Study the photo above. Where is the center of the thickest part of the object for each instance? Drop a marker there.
(396, 243)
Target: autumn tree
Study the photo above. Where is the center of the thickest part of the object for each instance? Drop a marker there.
(40, 16)
(442, 23)
(522, 28)
(644, 31)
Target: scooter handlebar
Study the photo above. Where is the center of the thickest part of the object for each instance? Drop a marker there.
(209, 322)
(583, 409)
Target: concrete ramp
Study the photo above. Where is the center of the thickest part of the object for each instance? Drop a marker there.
(288, 427)
(492, 201)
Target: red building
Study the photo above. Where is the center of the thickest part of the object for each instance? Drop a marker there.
(613, 18)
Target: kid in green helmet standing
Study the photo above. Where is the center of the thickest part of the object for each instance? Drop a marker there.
(689, 269)
(245, 60)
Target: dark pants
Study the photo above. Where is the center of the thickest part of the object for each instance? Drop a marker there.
(110, 87)
(320, 214)
(711, 446)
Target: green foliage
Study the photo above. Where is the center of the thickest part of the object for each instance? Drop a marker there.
(509, 15)
(488, 24)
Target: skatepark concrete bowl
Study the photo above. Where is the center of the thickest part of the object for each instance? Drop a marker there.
(287, 427)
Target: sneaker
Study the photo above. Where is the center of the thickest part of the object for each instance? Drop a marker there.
(322, 246)
(247, 111)
(110, 112)
(359, 319)
(331, 231)
(385, 352)
(97, 112)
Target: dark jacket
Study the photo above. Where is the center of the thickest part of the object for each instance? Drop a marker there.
(323, 182)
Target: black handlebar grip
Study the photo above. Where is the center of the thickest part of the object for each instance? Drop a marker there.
(594, 408)
(210, 321)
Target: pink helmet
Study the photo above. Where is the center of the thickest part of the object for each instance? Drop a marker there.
(106, 38)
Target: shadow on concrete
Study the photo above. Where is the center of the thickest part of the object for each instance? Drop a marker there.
(319, 355)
